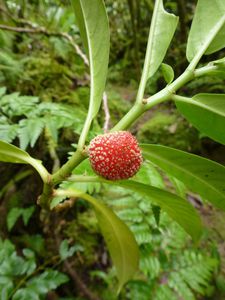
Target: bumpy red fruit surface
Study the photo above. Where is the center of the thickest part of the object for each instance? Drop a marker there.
(115, 155)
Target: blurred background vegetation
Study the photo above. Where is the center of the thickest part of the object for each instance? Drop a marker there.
(44, 92)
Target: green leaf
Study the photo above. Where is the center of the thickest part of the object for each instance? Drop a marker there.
(206, 112)
(93, 24)
(179, 186)
(148, 174)
(162, 29)
(6, 290)
(10, 153)
(25, 294)
(65, 251)
(8, 132)
(208, 24)
(168, 73)
(13, 154)
(13, 216)
(176, 207)
(46, 282)
(201, 175)
(80, 19)
(119, 239)
(56, 200)
(2, 91)
(29, 131)
(156, 212)
(179, 209)
(27, 213)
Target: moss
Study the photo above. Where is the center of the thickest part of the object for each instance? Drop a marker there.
(169, 129)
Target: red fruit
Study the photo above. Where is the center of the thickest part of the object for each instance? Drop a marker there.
(115, 155)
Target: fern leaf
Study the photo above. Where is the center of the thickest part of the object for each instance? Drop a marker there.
(29, 131)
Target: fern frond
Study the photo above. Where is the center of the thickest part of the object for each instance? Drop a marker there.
(29, 131)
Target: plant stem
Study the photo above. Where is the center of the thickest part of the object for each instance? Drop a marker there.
(67, 168)
(139, 108)
(181, 98)
(85, 178)
(205, 70)
(85, 130)
(133, 114)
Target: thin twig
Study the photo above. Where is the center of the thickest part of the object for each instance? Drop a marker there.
(24, 30)
(41, 30)
(76, 47)
(106, 111)
(82, 286)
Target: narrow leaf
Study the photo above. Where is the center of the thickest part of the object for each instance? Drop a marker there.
(10, 153)
(93, 24)
(81, 22)
(206, 112)
(208, 22)
(13, 154)
(201, 175)
(179, 209)
(162, 29)
(119, 239)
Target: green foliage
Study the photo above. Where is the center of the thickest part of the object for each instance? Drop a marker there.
(87, 187)
(27, 118)
(16, 212)
(162, 29)
(65, 251)
(207, 29)
(93, 24)
(44, 64)
(168, 73)
(20, 277)
(13, 154)
(167, 271)
(116, 234)
(201, 175)
(212, 109)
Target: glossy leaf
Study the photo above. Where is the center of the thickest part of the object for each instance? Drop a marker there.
(162, 29)
(176, 207)
(168, 73)
(93, 24)
(179, 209)
(119, 239)
(199, 174)
(206, 112)
(208, 22)
(13, 154)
